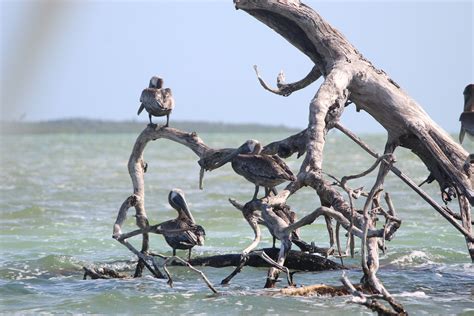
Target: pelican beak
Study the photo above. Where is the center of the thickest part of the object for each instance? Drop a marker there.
(178, 201)
(187, 212)
(215, 160)
(226, 158)
(201, 178)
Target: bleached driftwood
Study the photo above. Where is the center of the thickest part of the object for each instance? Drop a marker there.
(137, 168)
(348, 78)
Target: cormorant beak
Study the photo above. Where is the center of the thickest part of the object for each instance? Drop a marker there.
(178, 202)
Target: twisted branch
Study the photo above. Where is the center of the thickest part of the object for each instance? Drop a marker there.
(285, 89)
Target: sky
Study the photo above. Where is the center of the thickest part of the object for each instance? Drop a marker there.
(92, 59)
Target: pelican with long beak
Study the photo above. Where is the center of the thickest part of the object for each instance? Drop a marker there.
(195, 234)
(262, 170)
(156, 100)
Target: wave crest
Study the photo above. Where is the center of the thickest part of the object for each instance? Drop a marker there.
(416, 257)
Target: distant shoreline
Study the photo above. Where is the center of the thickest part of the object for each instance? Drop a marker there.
(92, 126)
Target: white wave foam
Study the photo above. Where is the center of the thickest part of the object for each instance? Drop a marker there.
(419, 294)
(414, 257)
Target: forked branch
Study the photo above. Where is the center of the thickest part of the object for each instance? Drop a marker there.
(285, 89)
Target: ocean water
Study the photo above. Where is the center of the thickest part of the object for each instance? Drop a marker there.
(60, 195)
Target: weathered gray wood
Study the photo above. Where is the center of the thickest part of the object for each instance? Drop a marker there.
(286, 89)
(346, 71)
(441, 210)
(371, 302)
(349, 77)
(137, 168)
(170, 260)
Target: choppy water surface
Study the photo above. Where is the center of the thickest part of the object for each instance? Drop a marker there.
(60, 195)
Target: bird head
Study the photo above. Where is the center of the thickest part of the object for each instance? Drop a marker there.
(178, 202)
(251, 146)
(469, 98)
(156, 82)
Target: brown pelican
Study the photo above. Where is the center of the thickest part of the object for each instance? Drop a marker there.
(187, 239)
(156, 100)
(262, 170)
(467, 117)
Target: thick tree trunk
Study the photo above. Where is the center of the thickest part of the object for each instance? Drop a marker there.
(295, 260)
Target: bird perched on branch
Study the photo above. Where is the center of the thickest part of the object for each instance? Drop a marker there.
(193, 236)
(157, 101)
(262, 170)
(467, 117)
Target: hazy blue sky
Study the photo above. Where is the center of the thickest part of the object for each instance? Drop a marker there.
(93, 58)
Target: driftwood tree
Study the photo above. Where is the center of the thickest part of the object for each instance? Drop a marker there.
(348, 78)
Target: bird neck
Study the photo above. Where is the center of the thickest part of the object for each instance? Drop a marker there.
(183, 217)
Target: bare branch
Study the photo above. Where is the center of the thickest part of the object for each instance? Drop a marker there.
(411, 184)
(366, 172)
(203, 276)
(285, 89)
(151, 229)
(369, 300)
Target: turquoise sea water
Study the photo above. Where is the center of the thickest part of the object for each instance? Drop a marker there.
(59, 199)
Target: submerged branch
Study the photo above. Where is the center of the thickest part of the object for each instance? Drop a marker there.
(187, 264)
(295, 260)
(370, 301)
